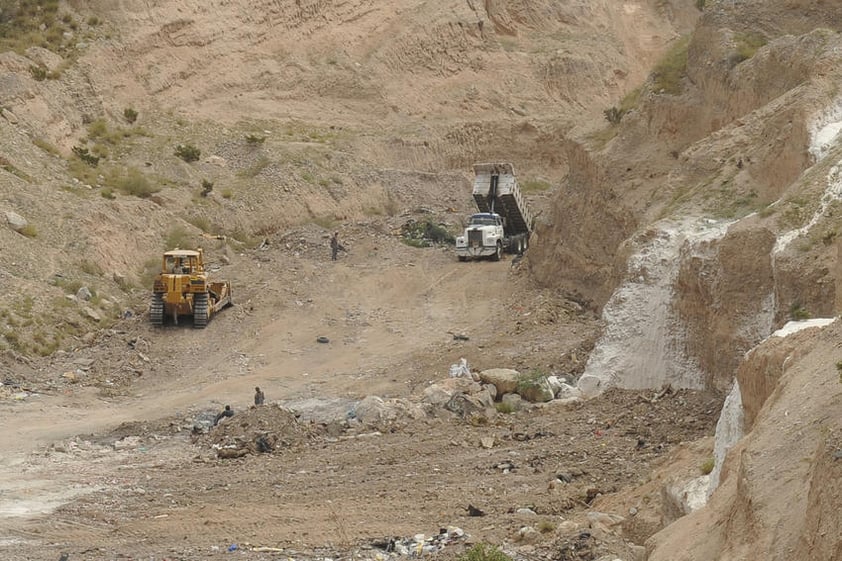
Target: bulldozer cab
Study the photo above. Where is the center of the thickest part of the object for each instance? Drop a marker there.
(182, 262)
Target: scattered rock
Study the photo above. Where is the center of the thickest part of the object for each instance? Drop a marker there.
(92, 314)
(16, 221)
(512, 401)
(84, 293)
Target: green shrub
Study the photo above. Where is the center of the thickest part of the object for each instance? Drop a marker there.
(39, 73)
(483, 552)
(107, 193)
(227, 193)
(207, 187)
(700, 5)
(707, 466)
(188, 152)
(98, 129)
(614, 115)
(255, 139)
(130, 115)
(668, 75)
(530, 380)
(504, 408)
(84, 154)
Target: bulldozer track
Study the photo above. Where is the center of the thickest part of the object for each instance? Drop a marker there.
(200, 311)
(156, 310)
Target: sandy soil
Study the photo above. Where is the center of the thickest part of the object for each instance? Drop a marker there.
(109, 465)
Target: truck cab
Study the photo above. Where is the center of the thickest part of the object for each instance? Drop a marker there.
(483, 237)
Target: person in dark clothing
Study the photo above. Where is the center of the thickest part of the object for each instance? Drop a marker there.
(259, 398)
(335, 246)
(227, 412)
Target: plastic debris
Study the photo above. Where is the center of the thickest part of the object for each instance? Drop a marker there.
(460, 370)
(421, 545)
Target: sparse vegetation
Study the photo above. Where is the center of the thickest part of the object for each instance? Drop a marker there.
(797, 312)
(131, 181)
(535, 186)
(227, 193)
(130, 115)
(30, 231)
(707, 466)
(255, 139)
(6, 165)
(254, 169)
(178, 237)
(188, 152)
(90, 267)
(504, 408)
(530, 380)
(700, 5)
(85, 155)
(38, 72)
(207, 187)
(747, 45)
(484, 552)
(425, 233)
(46, 146)
(27, 23)
(614, 115)
(669, 73)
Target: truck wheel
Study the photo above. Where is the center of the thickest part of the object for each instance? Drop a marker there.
(498, 252)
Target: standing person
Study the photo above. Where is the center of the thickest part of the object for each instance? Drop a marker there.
(335, 246)
(259, 398)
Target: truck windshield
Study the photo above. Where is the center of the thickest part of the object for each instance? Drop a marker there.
(478, 220)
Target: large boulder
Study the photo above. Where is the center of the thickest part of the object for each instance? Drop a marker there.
(504, 379)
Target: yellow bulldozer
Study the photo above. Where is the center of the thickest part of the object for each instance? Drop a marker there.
(182, 288)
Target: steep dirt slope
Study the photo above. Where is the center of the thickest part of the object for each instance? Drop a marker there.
(780, 484)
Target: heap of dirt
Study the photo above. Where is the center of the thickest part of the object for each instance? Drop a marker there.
(258, 429)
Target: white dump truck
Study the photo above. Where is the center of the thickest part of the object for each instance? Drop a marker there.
(504, 222)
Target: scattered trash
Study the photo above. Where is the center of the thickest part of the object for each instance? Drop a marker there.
(322, 339)
(233, 547)
(460, 370)
(419, 544)
(474, 511)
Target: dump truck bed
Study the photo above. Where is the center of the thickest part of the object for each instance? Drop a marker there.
(496, 190)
